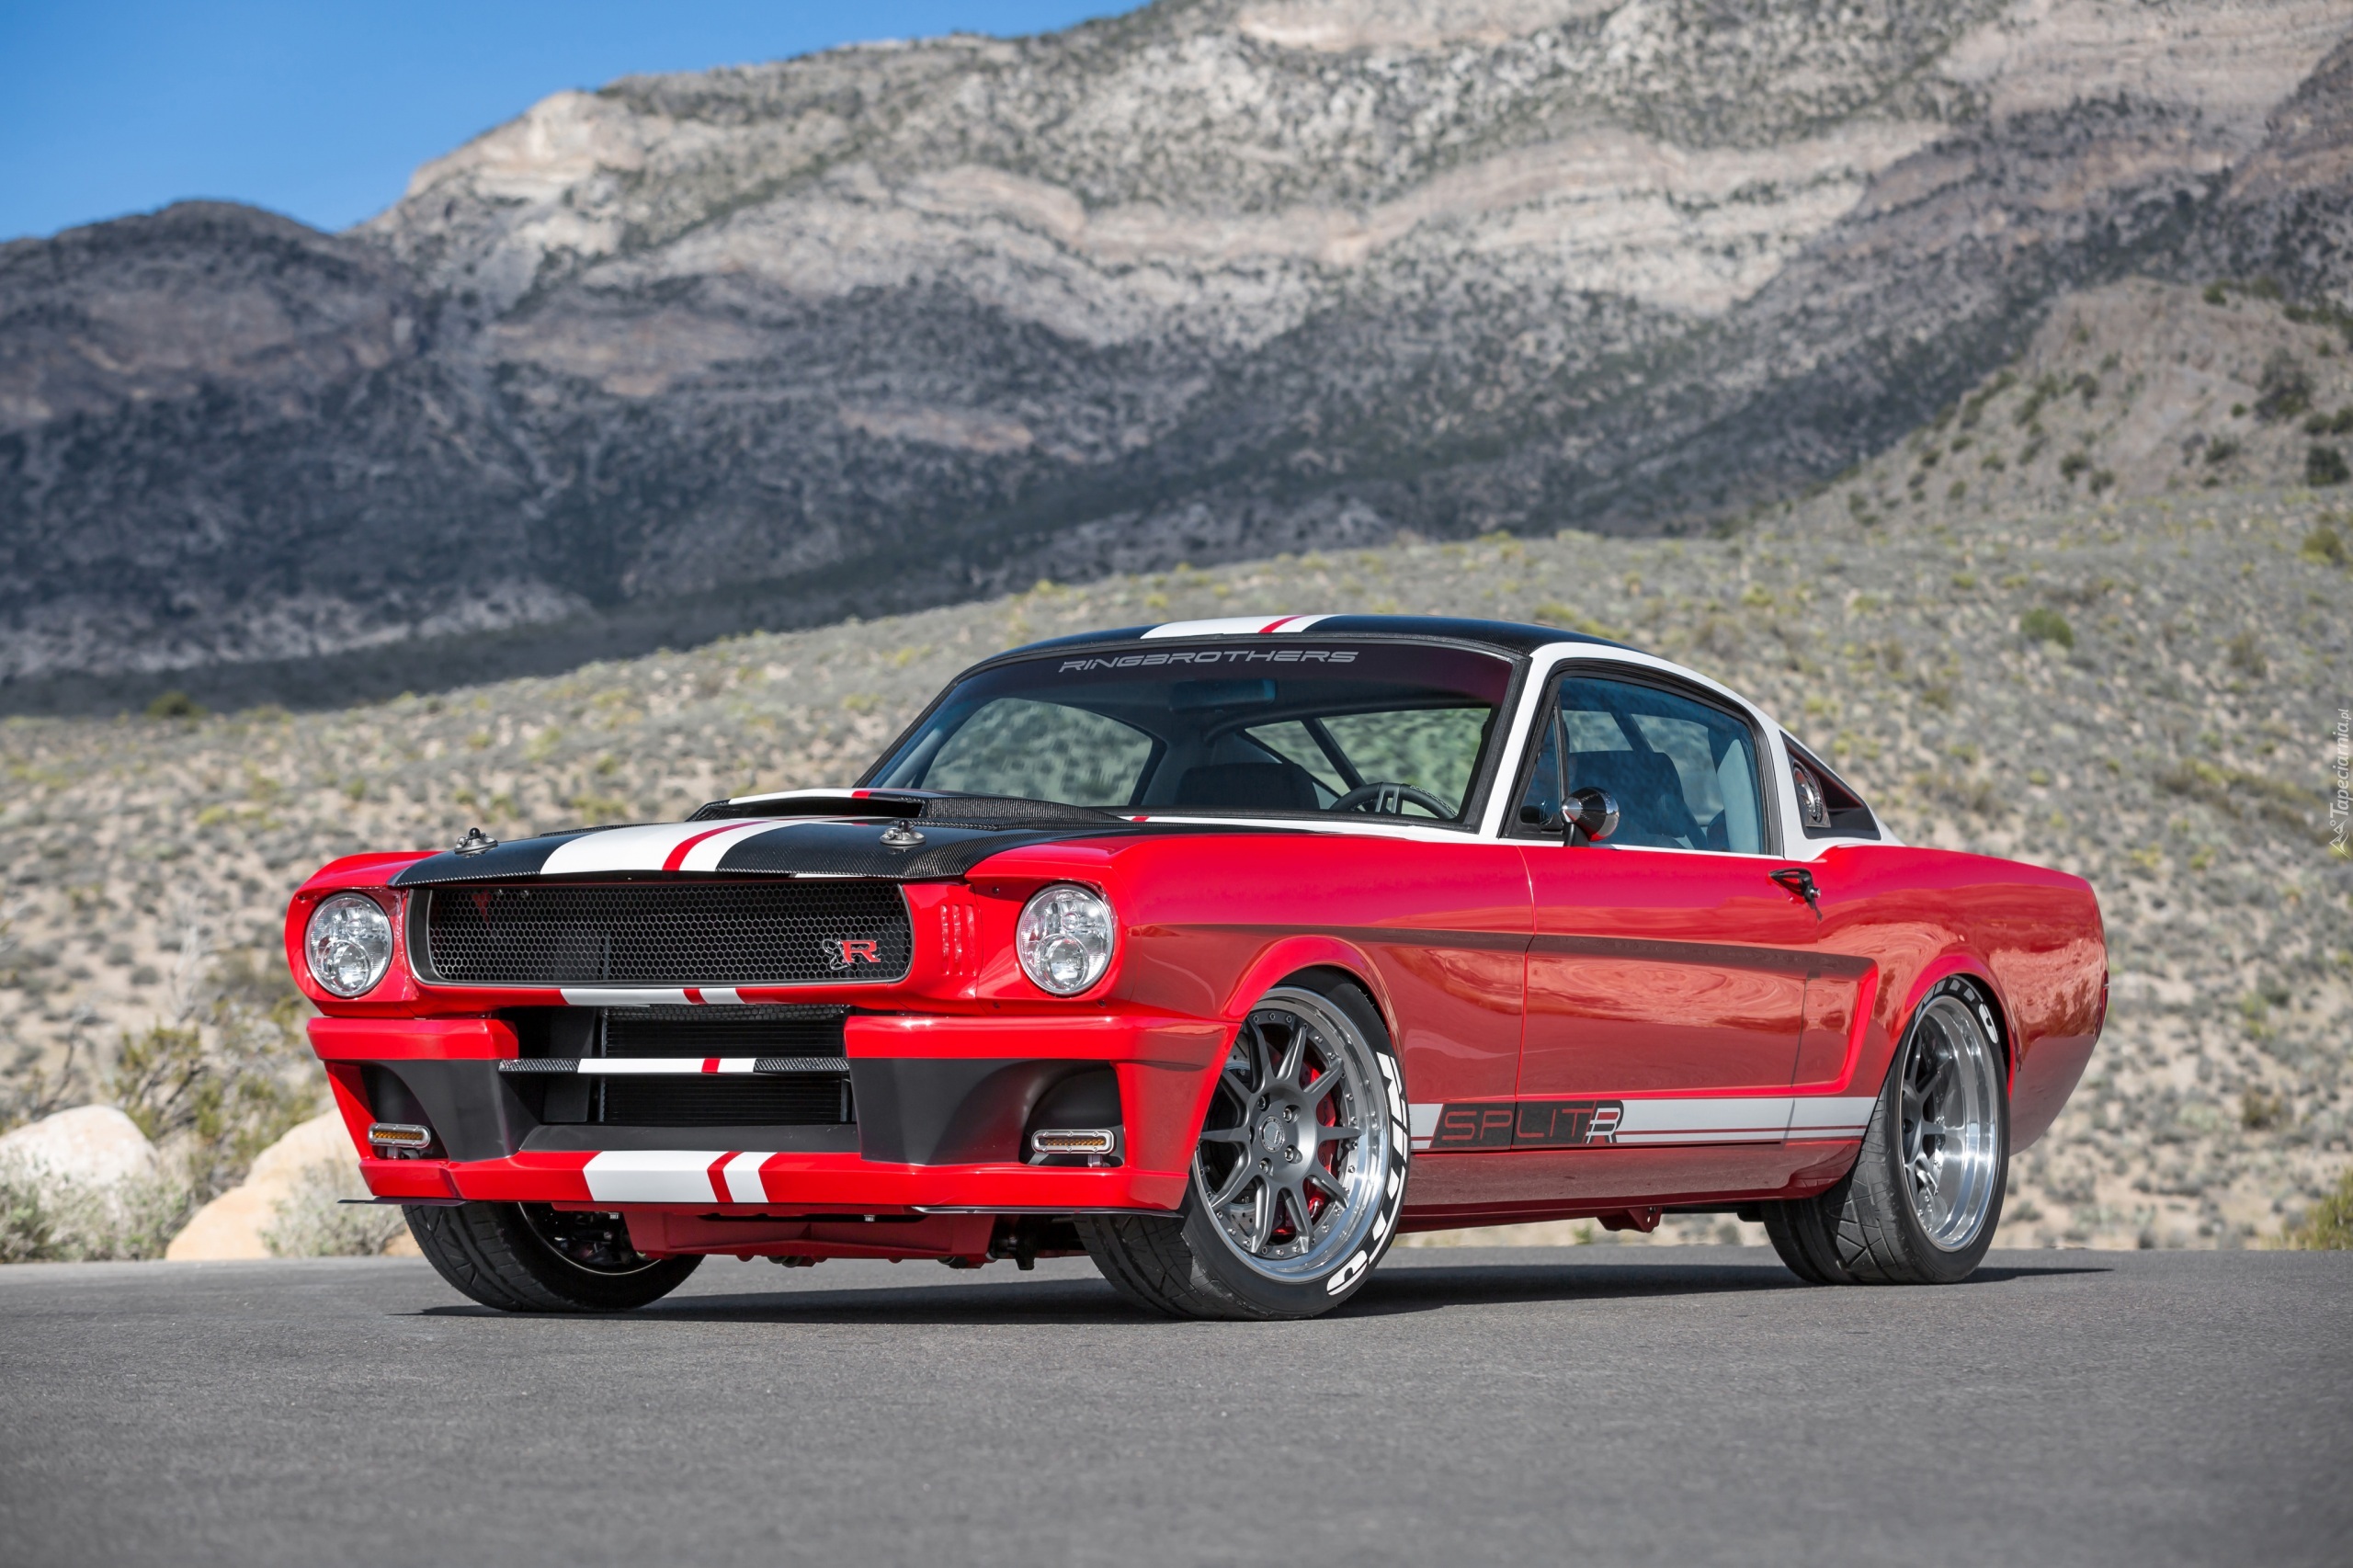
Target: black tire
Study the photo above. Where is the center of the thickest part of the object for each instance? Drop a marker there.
(1190, 1266)
(514, 1256)
(1802, 1236)
(1867, 1229)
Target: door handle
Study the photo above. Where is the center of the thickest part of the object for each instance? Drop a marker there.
(1800, 880)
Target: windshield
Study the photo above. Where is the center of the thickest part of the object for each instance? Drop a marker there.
(1382, 728)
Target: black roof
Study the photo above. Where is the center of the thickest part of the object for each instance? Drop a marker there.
(1514, 637)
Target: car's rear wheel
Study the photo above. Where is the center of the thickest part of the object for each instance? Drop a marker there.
(1921, 1205)
(1298, 1177)
(529, 1258)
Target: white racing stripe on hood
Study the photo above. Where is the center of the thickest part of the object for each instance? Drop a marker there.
(703, 855)
(646, 848)
(1236, 625)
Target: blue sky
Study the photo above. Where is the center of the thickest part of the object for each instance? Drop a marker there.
(319, 108)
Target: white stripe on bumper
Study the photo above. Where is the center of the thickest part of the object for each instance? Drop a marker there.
(743, 1177)
(675, 1066)
(638, 996)
(654, 1175)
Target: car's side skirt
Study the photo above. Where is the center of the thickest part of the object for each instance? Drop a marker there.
(1633, 1121)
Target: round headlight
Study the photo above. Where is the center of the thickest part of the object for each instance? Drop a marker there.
(349, 943)
(1065, 938)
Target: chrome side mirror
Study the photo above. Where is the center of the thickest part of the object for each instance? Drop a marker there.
(1595, 818)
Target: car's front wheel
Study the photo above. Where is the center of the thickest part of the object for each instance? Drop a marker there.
(530, 1257)
(1298, 1177)
(1922, 1202)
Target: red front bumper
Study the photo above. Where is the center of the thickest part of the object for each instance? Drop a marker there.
(1165, 1067)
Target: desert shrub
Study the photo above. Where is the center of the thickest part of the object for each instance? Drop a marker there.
(2233, 790)
(2329, 1225)
(2284, 390)
(313, 1221)
(2043, 624)
(2073, 464)
(2324, 465)
(2221, 449)
(2259, 1112)
(176, 705)
(221, 1094)
(26, 1226)
(47, 1219)
(2044, 390)
(2327, 546)
(2246, 656)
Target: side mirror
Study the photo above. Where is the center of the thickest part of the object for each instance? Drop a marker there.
(1595, 817)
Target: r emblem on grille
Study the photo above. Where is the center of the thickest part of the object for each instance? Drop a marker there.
(844, 952)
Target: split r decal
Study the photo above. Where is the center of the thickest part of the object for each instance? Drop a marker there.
(1528, 1124)
(1469, 1126)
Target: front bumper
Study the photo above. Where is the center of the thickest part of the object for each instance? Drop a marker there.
(942, 1102)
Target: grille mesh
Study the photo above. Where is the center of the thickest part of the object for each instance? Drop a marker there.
(724, 1031)
(816, 1099)
(668, 933)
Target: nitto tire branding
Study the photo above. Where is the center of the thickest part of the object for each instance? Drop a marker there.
(1392, 1194)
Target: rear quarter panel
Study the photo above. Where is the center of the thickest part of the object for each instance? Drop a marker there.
(2031, 934)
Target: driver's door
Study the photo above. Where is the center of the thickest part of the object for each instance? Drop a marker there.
(1665, 962)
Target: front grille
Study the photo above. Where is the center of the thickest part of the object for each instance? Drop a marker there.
(811, 1099)
(723, 1031)
(776, 933)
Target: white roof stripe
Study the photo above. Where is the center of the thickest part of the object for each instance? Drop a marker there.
(1236, 625)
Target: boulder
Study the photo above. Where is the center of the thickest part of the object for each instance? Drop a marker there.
(232, 1225)
(93, 1146)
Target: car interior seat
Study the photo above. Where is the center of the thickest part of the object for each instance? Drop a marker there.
(1652, 809)
(1247, 786)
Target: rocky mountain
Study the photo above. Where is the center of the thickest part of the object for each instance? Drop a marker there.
(897, 325)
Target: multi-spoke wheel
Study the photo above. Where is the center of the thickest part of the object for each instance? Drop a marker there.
(1950, 1121)
(1921, 1204)
(530, 1257)
(1298, 1177)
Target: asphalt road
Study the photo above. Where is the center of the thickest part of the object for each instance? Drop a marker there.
(1559, 1405)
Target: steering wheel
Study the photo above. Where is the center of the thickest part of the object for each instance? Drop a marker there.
(1389, 800)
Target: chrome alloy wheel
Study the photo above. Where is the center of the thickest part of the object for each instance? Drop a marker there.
(1952, 1123)
(1296, 1143)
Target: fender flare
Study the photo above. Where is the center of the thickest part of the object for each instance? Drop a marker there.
(1287, 956)
(1961, 966)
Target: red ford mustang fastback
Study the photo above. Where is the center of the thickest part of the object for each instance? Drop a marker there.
(1223, 951)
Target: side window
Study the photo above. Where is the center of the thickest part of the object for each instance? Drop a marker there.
(1683, 773)
(1042, 749)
